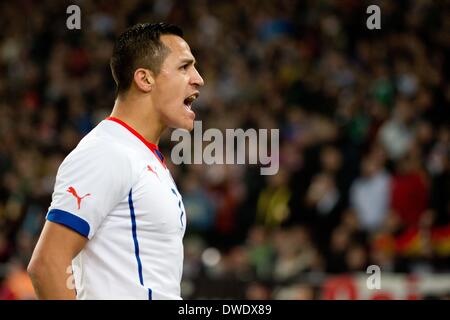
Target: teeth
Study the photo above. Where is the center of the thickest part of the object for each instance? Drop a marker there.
(190, 99)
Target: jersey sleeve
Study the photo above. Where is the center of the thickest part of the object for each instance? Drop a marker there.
(90, 182)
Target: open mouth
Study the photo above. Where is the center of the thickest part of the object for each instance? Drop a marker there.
(189, 100)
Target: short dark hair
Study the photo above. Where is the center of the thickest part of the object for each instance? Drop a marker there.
(140, 46)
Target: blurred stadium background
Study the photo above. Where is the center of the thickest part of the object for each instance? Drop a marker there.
(364, 140)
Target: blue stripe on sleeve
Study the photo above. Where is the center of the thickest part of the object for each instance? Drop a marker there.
(69, 220)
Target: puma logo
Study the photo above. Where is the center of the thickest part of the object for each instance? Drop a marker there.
(151, 170)
(74, 193)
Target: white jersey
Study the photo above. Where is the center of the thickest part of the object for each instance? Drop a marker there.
(115, 189)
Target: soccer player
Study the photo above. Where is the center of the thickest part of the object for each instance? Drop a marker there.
(117, 219)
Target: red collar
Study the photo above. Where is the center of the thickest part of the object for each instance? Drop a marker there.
(153, 147)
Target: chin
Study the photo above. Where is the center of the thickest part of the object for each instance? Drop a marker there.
(189, 126)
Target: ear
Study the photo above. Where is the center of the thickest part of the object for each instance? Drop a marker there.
(144, 80)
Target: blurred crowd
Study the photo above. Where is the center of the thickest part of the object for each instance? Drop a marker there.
(364, 134)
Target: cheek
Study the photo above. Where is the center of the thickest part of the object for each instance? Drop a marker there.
(172, 92)
(169, 102)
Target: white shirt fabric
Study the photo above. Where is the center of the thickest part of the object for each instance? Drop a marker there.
(115, 189)
(370, 199)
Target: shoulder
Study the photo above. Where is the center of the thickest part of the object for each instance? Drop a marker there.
(99, 151)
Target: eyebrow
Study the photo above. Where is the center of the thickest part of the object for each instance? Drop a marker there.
(188, 60)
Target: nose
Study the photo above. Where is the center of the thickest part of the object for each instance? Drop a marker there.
(197, 79)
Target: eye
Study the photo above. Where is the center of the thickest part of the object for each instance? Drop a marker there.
(184, 66)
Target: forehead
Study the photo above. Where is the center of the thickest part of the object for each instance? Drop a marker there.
(179, 48)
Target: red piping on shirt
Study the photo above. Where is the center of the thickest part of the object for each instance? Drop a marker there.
(153, 147)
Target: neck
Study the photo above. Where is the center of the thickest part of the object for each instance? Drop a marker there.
(139, 114)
